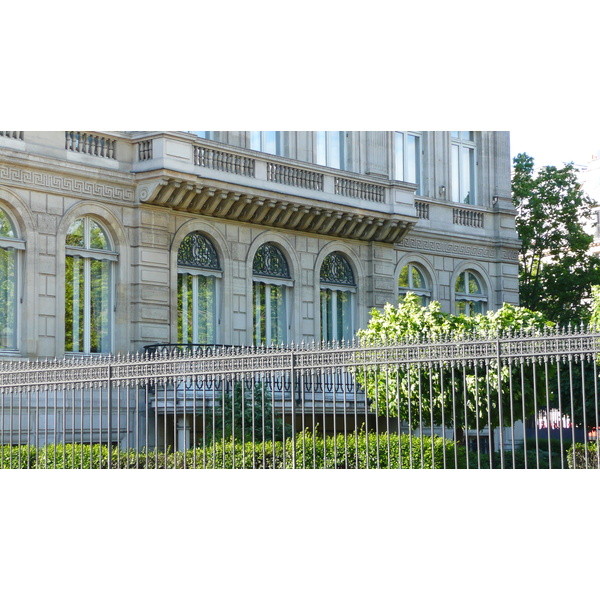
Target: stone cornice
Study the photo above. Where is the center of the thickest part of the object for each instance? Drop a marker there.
(213, 198)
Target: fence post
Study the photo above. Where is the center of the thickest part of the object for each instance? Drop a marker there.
(109, 415)
(500, 413)
(293, 403)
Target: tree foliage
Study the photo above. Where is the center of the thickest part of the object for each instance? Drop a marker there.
(557, 272)
(461, 394)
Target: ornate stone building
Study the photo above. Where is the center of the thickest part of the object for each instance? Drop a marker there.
(111, 241)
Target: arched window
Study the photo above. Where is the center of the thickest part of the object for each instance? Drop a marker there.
(271, 280)
(198, 271)
(337, 298)
(414, 279)
(471, 297)
(89, 302)
(10, 248)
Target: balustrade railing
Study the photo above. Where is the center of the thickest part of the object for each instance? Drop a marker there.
(359, 189)
(145, 150)
(220, 160)
(294, 176)
(92, 144)
(15, 135)
(422, 209)
(467, 217)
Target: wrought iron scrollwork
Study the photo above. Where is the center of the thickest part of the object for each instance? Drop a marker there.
(270, 261)
(336, 269)
(196, 250)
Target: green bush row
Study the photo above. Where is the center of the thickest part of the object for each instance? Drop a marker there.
(305, 451)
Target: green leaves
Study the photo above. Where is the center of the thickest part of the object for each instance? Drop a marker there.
(557, 271)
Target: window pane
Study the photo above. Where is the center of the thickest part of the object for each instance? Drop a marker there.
(98, 239)
(460, 283)
(321, 148)
(325, 314)
(474, 285)
(411, 158)
(185, 325)
(259, 314)
(205, 310)
(403, 279)
(418, 281)
(455, 174)
(399, 156)
(99, 305)
(8, 299)
(255, 140)
(6, 228)
(270, 142)
(278, 318)
(75, 235)
(465, 175)
(344, 315)
(334, 155)
(74, 304)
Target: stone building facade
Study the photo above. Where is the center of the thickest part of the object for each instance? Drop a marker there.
(112, 241)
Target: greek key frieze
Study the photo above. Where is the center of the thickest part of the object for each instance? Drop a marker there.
(446, 248)
(64, 184)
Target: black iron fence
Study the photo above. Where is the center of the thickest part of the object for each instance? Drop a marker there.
(521, 400)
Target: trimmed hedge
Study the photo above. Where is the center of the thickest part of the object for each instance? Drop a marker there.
(353, 451)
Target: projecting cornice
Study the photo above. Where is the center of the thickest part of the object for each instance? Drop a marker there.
(223, 200)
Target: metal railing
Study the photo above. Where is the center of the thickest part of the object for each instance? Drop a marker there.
(521, 400)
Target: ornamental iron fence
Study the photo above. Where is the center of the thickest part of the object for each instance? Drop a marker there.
(517, 400)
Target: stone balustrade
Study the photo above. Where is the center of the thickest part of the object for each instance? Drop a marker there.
(89, 143)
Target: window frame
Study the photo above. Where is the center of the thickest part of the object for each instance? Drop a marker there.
(17, 245)
(402, 157)
(462, 144)
(88, 254)
(330, 149)
(470, 298)
(259, 141)
(329, 291)
(426, 293)
(196, 271)
(284, 284)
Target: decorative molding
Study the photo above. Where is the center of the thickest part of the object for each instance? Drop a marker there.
(58, 183)
(450, 248)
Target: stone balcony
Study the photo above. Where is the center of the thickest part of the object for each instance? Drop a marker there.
(186, 173)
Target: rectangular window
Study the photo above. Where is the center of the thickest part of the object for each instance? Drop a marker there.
(87, 304)
(267, 141)
(330, 149)
(407, 158)
(336, 315)
(8, 299)
(270, 315)
(463, 167)
(196, 311)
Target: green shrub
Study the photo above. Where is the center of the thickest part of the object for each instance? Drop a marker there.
(576, 457)
(17, 457)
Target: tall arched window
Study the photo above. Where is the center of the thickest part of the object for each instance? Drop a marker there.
(89, 302)
(271, 281)
(10, 247)
(337, 298)
(198, 271)
(471, 297)
(414, 279)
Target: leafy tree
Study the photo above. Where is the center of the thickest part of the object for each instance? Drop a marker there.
(460, 393)
(557, 272)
